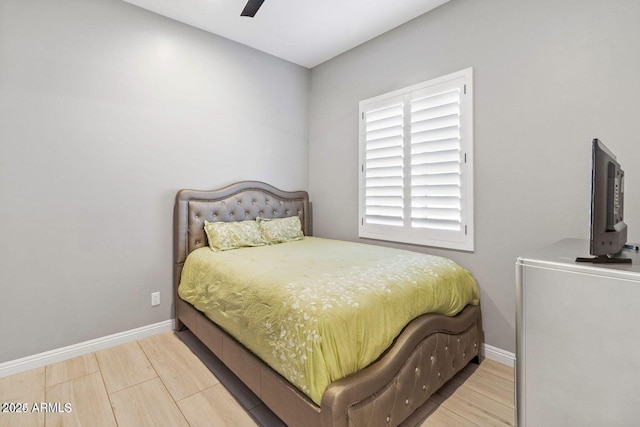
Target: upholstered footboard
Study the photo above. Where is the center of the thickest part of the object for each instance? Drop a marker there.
(419, 363)
(428, 368)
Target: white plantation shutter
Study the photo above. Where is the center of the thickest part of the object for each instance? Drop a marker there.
(384, 164)
(435, 159)
(416, 147)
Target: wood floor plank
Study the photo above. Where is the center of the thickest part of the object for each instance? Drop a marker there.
(180, 370)
(88, 400)
(124, 366)
(493, 386)
(489, 367)
(214, 407)
(443, 417)
(21, 387)
(71, 368)
(474, 406)
(146, 404)
(26, 388)
(498, 369)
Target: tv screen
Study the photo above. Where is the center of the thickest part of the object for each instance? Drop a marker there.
(608, 230)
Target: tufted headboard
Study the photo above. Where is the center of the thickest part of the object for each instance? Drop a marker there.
(241, 201)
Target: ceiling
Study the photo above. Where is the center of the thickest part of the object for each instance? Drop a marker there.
(305, 32)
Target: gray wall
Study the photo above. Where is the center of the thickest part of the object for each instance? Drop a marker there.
(106, 110)
(549, 76)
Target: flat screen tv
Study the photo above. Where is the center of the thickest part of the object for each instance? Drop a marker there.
(608, 230)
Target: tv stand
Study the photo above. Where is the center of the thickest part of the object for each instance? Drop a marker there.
(604, 259)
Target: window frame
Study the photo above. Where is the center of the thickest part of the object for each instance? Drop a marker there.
(462, 239)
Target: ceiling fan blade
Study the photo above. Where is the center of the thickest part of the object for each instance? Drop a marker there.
(251, 8)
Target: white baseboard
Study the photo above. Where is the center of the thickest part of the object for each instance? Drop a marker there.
(58, 355)
(499, 355)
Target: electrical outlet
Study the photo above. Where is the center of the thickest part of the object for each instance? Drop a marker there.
(155, 299)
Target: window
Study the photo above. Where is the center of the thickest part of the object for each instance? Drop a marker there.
(416, 164)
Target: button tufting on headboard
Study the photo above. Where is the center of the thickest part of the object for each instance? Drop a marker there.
(252, 199)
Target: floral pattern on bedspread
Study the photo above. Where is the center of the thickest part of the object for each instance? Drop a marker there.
(317, 310)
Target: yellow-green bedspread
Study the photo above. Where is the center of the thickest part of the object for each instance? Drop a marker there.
(316, 310)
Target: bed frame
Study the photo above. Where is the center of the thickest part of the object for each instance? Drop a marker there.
(429, 351)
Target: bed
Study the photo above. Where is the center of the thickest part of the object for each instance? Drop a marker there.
(428, 351)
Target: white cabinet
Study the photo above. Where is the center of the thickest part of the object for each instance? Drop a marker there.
(577, 339)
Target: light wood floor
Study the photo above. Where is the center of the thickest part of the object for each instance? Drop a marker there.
(159, 381)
